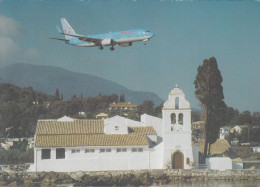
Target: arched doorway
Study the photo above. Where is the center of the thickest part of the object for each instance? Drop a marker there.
(177, 160)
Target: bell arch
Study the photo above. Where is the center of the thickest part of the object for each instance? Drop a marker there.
(173, 118)
(180, 118)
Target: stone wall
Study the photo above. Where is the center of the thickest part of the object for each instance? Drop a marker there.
(124, 178)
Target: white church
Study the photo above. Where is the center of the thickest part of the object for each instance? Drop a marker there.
(118, 143)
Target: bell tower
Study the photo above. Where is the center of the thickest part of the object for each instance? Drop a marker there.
(176, 114)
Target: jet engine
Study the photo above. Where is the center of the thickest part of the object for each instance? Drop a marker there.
(106, 42)
(126, 44)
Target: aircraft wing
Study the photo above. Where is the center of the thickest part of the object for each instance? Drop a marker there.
(60, 39)
(97, 41)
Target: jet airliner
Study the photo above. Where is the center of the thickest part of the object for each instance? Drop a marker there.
(121, 38)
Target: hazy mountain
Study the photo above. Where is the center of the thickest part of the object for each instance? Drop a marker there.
(48, 79)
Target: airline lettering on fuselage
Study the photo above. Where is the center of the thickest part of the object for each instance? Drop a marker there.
(129, 32)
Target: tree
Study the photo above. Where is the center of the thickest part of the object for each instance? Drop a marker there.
(209, 92)
(245, 118)
(146, 107)
(256, 119)
(195, 116)
(122, 98)
(158, 110)
(57, 94)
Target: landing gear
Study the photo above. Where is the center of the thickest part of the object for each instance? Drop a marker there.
(112, 48)
(145, 41)
(101, 47)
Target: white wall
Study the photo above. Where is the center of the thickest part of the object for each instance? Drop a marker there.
(122, 120)
(156, 157)
(195, 151)
(115, 128)
(148, 159)
(256, 149)
(219, 163)
(155, 122)
(152, 138)
(123, 124)
(237, 165)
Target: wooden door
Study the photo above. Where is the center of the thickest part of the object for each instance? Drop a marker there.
(177, 160)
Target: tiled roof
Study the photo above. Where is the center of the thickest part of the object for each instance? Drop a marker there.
(70, 127)
(142, 130)
(122, 104)
(219, 147)
(102, 115)
(52, 133)
(90, 140)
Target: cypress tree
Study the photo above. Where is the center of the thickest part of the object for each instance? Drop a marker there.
(209, 92)
(57, 93)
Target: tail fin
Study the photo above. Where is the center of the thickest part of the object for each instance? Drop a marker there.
(67, 29)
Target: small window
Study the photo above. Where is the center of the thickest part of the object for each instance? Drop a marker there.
(102, 150)
(177, 103)
(89, 150)
(60, 153)
(75, 151)
(187, 160)
(140, 149)
(46, 154)
(123, 149)
(134, 149)
(116, 128)
(118, 150)
(108, 150)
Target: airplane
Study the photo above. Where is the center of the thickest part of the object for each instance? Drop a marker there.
(121, 38)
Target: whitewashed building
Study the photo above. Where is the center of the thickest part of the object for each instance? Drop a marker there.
(224, 132)
(118, 143)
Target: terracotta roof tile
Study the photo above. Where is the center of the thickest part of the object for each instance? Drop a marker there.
(219, 147)
(52, 133)
(70, 127)
(90, 140)
(142, 130)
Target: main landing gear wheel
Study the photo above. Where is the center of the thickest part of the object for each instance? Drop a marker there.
(101, 47)
(112, 48)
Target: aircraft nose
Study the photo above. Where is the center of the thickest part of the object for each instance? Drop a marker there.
(152, 34)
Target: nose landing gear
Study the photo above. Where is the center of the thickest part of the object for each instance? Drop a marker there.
(146, 40)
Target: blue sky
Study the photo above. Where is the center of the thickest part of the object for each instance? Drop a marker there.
(187, 32)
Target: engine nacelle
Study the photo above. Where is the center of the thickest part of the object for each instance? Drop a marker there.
(126, 44)
(106, 42)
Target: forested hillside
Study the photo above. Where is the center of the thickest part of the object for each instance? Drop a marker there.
(20, 108)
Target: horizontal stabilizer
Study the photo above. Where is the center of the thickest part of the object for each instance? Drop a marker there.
(59, 30)
(60, 39)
